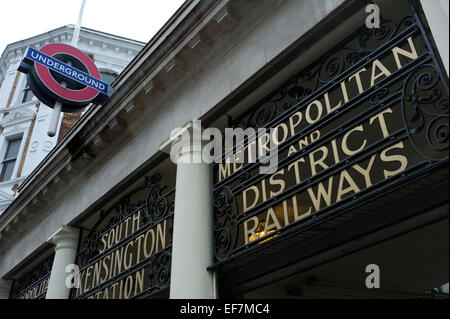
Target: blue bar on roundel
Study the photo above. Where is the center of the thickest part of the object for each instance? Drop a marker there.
(66, 70)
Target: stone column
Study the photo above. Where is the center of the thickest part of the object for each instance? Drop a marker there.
(66, 243)
(192, 246)
(5, 288)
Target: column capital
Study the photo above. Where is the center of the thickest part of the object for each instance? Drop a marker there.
(66, 241)
(185, 144)
(5, 288)
(65, 237)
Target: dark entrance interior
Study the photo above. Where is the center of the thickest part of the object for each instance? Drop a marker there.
(410, 265)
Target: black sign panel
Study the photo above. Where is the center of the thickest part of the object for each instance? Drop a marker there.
(127, 254)
(359, 123)
(34, 284)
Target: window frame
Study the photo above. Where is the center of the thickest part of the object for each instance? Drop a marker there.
(4, 160)
(27, 94)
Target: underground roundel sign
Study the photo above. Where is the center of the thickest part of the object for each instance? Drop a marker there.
(60, 72)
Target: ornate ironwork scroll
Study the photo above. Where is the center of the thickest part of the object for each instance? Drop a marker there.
(127, 253)
(425, 112)
(34, 284)
(326, 69)
(362, 121)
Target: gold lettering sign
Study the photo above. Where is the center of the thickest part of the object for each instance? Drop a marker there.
(371, 120)
(34, 283)
(130, 255)
(38, 290)
(119, 260)
(319, 108)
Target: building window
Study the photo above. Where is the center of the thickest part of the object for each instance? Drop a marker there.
(27, 94)
(10, 158)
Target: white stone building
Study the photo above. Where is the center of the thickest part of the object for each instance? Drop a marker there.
(24, 120)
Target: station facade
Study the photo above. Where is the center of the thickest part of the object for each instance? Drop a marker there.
(359, 118)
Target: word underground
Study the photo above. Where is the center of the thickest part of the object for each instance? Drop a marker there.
(66, 70)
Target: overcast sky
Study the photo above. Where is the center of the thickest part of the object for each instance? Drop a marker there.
(134, 19)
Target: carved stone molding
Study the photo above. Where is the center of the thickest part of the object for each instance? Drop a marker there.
(17, 116)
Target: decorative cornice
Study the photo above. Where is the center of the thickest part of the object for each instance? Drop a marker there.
(99, 119)
(19, 106)
(142, 78)
(18, 115)
(108, 121)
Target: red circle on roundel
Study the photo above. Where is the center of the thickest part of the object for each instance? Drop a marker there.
(43, 72)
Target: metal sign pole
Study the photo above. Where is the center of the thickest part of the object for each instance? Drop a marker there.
(63, 90)
(56, 111)
(55, 116)
(58, 105)
(76, 32)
